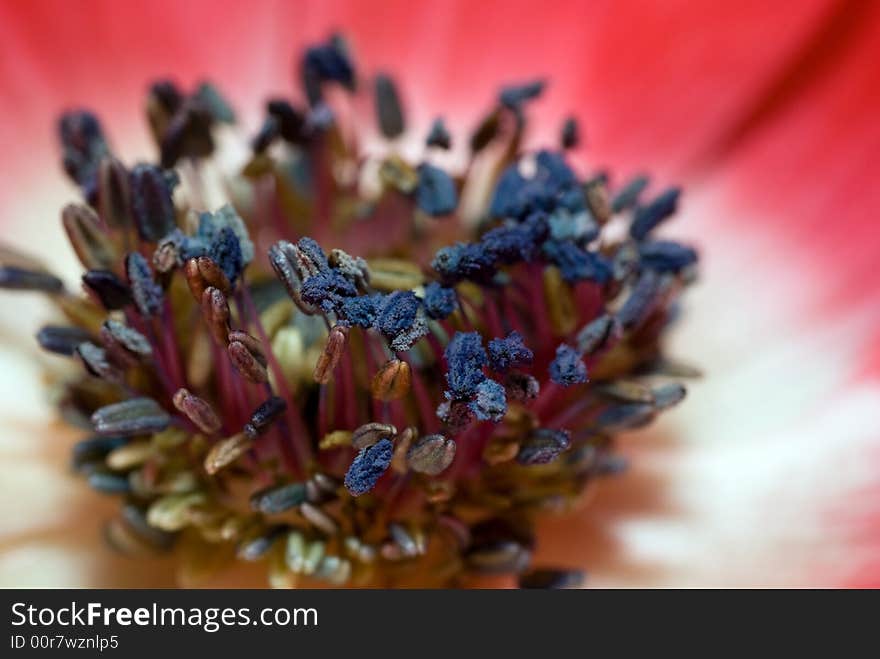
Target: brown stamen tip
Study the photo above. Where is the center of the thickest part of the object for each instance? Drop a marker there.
(247, 356)
(597, 200)
(91, 244)
(197, 410)
(392, 381)
(370, 433)
(215, 309)
(329, 358)
(227, 451)
(431, 454)
(203, 272)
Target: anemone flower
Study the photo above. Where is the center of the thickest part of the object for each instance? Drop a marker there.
(765, 115)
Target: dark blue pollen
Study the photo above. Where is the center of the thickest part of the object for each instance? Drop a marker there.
(505, 200)
(361, 310)
(439, 136)
(538, 225)
(327, 290)
(311, 249)
(641, 299)
(509, 352)
(397, 312)
(577, 264)
(511, 243)
(572, 199)
(368, 466)
(330, 64)
(514, 96)
(83, 145)
(649, 216)
(580, 228)
(147, 294)
(465, 358)
(435, 192)
(225, 251)
(490, 402)
(553, 169)
(151, 203)
(79, 128)
(463, 261)
(568, 368)
(570, 136)
(440, 301)
(628, 195)
(189, 247)
(666, 256)
(552, 184)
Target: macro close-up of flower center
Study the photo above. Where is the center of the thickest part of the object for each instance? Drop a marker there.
(357, 369)
(387, 295)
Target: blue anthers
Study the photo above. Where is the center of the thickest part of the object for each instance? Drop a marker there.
(361, 310)
(553, 170)
(312, 250)
(568, 368)
(397, 312)
(514, 96)
(553, 184)
(511, 243)
(189, 247)
(435, 191)
(440, 301)
(490, 402)
(649, 216)
(509, 352)
(225, 251)
(368, 466)
(666, 256)
(327, 290)
(641, 299)
(628, 195)
(329, 62)
(506, 199)
(401, 319)
(579, 227)
(151, 203)
(147, 294)
(463, 261)
(577, 264)
(439, 135)
(465, 358)
(225, 217)
(83, 143)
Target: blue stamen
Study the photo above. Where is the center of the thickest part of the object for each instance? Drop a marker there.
(568, 368)
(465, 358)
(509, 352)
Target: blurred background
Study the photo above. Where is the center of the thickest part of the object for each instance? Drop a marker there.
(766, 113)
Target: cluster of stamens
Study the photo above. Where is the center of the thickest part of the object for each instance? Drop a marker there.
(334, 372)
